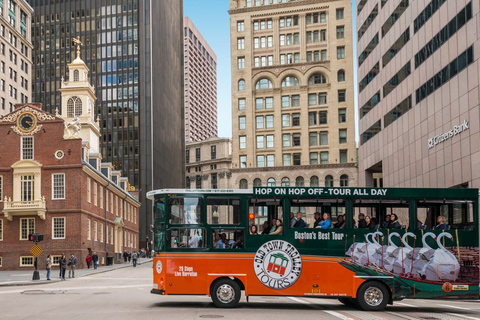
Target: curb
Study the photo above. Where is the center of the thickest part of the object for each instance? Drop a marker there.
(38, 282)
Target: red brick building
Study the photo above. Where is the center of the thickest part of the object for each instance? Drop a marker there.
(52, 182)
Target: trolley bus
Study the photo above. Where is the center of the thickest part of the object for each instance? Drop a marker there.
(205, 244)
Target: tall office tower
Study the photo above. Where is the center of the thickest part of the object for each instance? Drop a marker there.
(15, 54)
(292, 93)
(200, 85)
(141, 115)
(418, 74)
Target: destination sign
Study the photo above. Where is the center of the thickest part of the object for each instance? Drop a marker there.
(290, 191)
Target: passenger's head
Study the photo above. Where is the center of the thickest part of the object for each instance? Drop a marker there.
(326, 216)
(274, 221)
(266, 224)
(317, 215)
(367, 219)
(224, 236)
(387, 217)
(299, 215)
(279, 222)
(217, 237)
(340, 218)
(253, 229)
(374, 220)
(361, 216)
(292, 215)
(394, 217)
(441, 219)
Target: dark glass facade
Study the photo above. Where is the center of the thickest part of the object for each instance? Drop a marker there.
(141, 115)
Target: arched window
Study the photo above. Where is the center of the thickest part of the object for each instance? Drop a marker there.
(314, 181)
(344, 180)
(285, 182)
(329, 181)
(290, 81)
(243, 184)
(257, 182)
(271, 182)
(299, 182)
(341, 75)
(241, 85)
(317, 78)
(76, 75)
(74, 107)
(264, 84)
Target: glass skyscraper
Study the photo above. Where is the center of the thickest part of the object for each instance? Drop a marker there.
(122, 48)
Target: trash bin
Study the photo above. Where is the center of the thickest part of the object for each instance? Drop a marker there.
(109, 261)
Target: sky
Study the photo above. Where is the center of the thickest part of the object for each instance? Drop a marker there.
(213, 21)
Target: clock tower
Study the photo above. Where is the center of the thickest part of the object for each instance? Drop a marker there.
(78, 101)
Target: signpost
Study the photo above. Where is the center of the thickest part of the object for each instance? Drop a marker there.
(36, 251)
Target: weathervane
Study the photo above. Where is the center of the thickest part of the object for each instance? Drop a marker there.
(78, 43)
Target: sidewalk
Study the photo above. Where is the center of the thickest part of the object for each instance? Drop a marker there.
(24, 277)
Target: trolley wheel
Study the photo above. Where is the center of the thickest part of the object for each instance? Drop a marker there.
(225, 293)
(372, 296)
(349, 302)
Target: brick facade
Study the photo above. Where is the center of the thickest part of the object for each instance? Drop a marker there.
(77, 207)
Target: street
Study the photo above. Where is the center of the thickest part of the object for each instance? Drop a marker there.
(125, 294)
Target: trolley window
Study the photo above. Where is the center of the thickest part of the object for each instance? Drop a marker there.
(185, 210)
(191, 238)
(223, 211)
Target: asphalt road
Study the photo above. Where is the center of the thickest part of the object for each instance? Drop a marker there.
(125, 294)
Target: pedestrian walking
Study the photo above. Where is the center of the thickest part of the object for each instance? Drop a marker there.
(134, 259)
(95, 260)
(125, 256)
(88, 260)
(63, 266)
(48, 266)
(129, 257)
(72, 262)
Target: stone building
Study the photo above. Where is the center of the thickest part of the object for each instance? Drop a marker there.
(52, 182)
(208, 164)
(15, 54)
(292, 93)
(418, 73)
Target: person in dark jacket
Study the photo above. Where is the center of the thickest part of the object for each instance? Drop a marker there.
(386, 223)
(266, 228)
(340, 224)
(441, 223)
(361, 221)
(300, 222)
(318, 218)
(394, 224)
(369, 223)
(63, 266)
(125, 256)
(95, 260)
(72, 263)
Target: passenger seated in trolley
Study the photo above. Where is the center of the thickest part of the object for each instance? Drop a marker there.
(326, 223)
(279, 229)
(340, 224)
(219, 244)
(441, 225)
(300, 223)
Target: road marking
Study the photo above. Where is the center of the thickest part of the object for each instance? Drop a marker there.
(315, 306)
(464, 316)
(406, 305)
(81, 288)
(446, 305)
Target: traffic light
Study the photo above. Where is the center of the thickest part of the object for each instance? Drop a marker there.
(36, 237)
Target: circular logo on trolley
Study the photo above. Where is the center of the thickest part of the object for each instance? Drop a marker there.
(159, 267)
(277, 264)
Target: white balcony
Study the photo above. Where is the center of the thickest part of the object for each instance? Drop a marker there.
(12, 208)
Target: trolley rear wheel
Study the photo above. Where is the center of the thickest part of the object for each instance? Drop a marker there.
(372, 296)
(225, 293)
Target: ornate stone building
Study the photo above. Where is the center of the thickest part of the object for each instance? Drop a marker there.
(52, 182)
(208, 164)
(292, 93)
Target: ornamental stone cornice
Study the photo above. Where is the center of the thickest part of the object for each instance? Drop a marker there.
(288, 7)
(41, 115)
(301, 67)
(296, 168)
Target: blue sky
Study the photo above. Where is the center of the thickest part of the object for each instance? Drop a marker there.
(213, 21)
